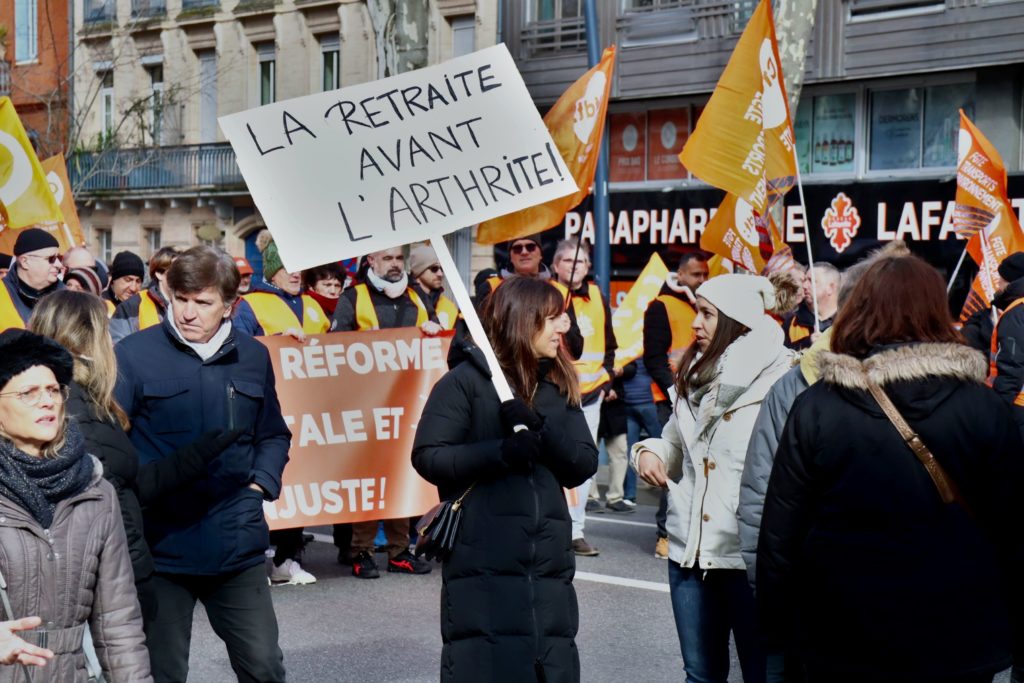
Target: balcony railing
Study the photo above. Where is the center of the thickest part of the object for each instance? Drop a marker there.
(145, 9)
(99, 11)
(150, 170)
(5, 78)
(199, 4)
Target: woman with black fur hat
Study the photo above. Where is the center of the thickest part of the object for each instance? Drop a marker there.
(63, 551)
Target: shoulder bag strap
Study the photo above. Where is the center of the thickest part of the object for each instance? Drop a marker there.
(947, 488)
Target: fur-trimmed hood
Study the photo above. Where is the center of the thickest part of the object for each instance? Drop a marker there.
(904, 363)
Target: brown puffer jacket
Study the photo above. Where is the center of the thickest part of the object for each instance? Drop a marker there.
(75, 573)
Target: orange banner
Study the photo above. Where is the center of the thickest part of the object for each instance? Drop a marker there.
(984, 213)
(739, 233)
(628, 319)
(352, 401)
(744, 140)
(576, 124)
(25, 197)
(56, 171)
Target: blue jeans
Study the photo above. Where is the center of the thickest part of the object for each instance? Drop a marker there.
(639, 416)
(707, 606)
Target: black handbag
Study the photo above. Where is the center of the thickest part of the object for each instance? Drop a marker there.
(438, 528)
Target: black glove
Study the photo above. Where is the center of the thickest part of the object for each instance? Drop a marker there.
(520, 450)
(516, 412)
(212, 443)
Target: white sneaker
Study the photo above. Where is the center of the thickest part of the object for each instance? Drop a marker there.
(628, 502)
(290, 573)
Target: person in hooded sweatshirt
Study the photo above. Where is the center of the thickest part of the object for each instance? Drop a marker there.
(736, 357)
(863, 567)
(508, 607)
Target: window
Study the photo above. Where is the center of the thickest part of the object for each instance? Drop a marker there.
(156, 80)
(330, 61)
(826, 132)
(645, 146)
(554, 26)
(207, 96)
(104, 244)
(463, 36)
(107, 103)
(267, 56)
(26, 31)
(916, 128)
(152, 241)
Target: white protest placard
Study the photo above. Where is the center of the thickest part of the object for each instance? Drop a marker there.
(377, 165)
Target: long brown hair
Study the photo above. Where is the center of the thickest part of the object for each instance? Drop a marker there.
(703, 370)
(513, 315)
(897, 300)
(78, 322)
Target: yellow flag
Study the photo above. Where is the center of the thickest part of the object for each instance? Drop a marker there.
(744, 140)
(628, 319)
(576, 124)
(24, 192)
(56, 171)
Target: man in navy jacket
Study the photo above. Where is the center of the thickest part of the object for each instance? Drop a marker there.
(176, 381)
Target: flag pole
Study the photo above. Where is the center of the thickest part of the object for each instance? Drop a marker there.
(956, 271)
(807, 241)
(469, 314)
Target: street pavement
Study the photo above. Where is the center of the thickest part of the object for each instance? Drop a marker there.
(346, 629)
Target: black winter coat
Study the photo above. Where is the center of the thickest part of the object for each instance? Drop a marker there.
(860, 563)
(1009, 379)
(135, 486)
(508, 608)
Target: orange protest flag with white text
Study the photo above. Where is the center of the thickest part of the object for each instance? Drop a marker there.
(983, 213)
(56, 170)
(576, 124)
(25, 197)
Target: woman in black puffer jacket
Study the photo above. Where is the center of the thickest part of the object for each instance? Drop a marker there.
(78, 322)
(861, 567)
(508, 608)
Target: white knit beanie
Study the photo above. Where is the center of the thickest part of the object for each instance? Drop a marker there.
(744, 298)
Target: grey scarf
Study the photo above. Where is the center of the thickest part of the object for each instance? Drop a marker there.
(38, 484)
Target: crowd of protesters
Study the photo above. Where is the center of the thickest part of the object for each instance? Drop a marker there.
(140, 434)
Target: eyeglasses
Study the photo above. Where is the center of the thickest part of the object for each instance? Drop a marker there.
(49, 259)
(33, 395)
(434, 269)
(527, 248)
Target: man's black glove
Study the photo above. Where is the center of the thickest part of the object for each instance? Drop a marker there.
(520, 450)
(212, 443)
(516, 412)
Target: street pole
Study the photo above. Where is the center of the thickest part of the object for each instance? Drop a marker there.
(602, 248)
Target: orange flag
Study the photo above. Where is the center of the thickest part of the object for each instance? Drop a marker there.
(25, 197)
(56, 171)
(984, 213)
(744, 145)
(576, 124)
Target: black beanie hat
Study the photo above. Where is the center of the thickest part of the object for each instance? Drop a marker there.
(34, 239)
(127, 263)
(1012, 267)
(21, 350)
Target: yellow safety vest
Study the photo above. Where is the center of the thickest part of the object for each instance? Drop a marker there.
(9, 316)
(591, 320)
(993, 371)
(366, 314)
(680, 320)
(447, 312)
(796, 331)
(149, 314)
(276, 317)
(111, 307)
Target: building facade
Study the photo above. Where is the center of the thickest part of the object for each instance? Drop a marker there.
(35, 68)
(877, 119)
(158, 73)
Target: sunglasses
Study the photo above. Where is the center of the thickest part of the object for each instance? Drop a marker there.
(49, 259)
(527, 248)
(434, 269)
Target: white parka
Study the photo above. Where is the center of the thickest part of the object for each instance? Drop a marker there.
(704, 447)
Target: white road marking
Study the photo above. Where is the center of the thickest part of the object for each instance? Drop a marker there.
(600, 518)
(622, 581)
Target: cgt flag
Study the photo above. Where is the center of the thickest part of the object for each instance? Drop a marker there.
(56, 171)
(576, 124)
(25, 196)
(744, 144)
(628, 319)
(983, 213)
